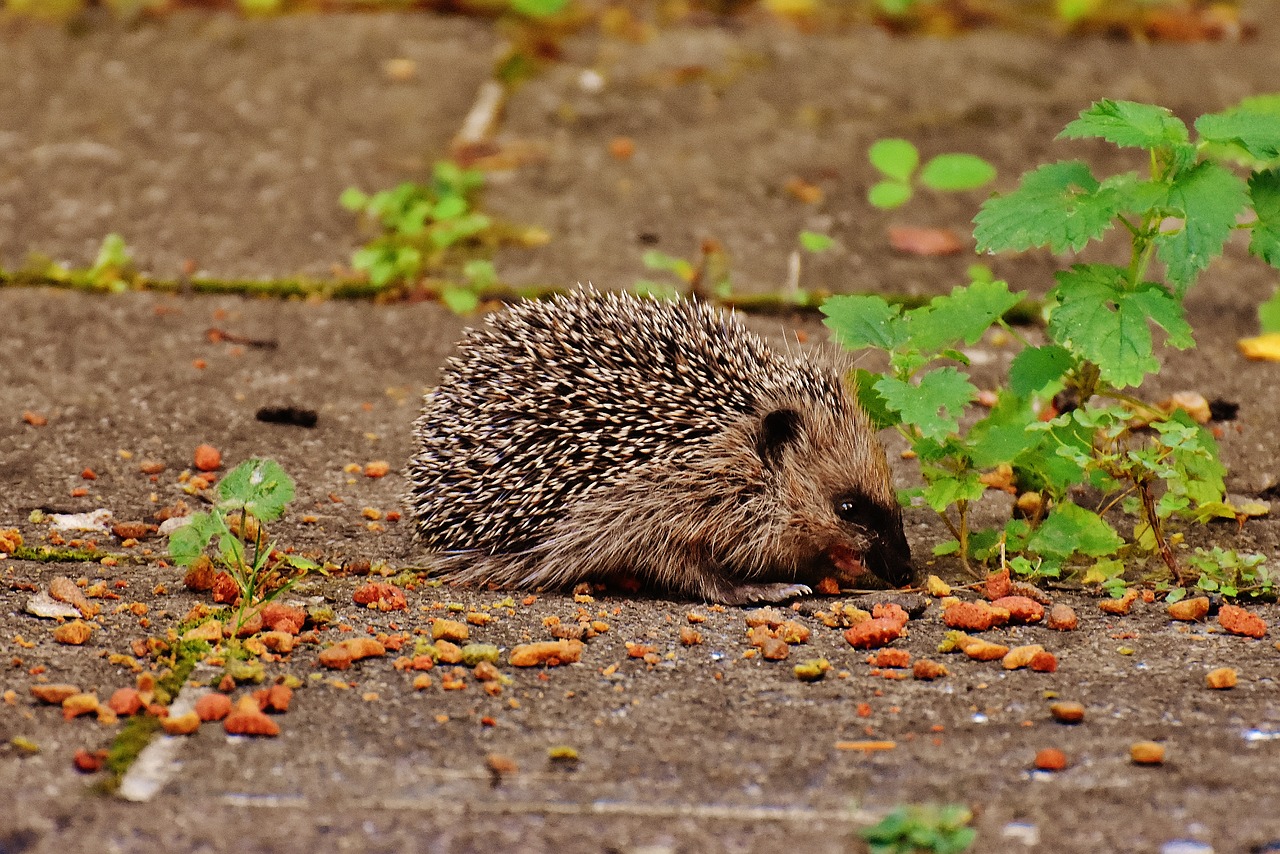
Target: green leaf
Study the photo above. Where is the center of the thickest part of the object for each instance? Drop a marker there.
(259, 487)
(1166, 311)
(1099, 321)
(1258, 133)
(1002, 436)
(957, 172)
(1035, 368)
(1128, 124)
(1210, 198)
(461, 301)
(946, 491)
(895, 158)
(1264, 191)
(449, 207)
(353, 199)
(1269, 314)
(538, 8)
(864, 321)
(1059, 205)
(815, 242)
(963, 315)
(933, 406)
(1071, 529)
(889, 194)
(864, 383)
(187, 543)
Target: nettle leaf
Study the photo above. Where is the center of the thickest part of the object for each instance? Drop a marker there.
(1059, 205)
(895, 158)
(1258, 133)
(1071, 529)
(1264, 190)
(259, 487)
(963, 315)
(865, 321)
(1166, 311)
(1269, 314)
(187, 543)
(872, 401)
(947, 489)
(957, 172)
(1035, 368)
(1129, 124)
(932, 406)
(1096, 319)
(1002, 436)
(1210, 198)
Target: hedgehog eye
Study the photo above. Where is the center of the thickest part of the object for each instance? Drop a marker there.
(852, 509)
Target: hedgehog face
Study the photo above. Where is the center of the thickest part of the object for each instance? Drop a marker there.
(832, 480)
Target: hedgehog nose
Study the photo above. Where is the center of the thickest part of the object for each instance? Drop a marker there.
(890, 560)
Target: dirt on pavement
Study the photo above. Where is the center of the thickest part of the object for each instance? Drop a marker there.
(195, 141)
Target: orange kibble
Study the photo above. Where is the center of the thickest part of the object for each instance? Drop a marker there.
(54, 695)
(1051, 759)
(213, 707)
(89, 474)
(1062, 618)
(622, 147)
(1119, 607)
(125, 702)
(377, 468)
(1221, 678)
(35, 419)
(1067, 712)
(1190, 610)
(1241, 621)
(207, 458)
(1146, 753)
(184, 724)
(247, 719)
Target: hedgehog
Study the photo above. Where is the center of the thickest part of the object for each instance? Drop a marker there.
(600, 436)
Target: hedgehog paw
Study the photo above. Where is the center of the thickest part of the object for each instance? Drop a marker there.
(745, 594)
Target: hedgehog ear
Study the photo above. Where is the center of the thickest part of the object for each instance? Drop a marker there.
(778, 429)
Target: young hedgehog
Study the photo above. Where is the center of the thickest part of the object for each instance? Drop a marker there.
(608, 435)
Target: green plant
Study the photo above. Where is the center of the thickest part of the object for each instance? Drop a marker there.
(939, 829)
(897, 161)
(113, 269)
(252, 494)
(1100, 445)
(420, 224)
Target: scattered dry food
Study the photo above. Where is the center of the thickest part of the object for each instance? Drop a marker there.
(88, 763)
(549, 653)
(10, 540)
(890, 658)
(344, 652)
(915, 240)
(184, 724)
(283, 618)
(207, 458)
(448, 652)
(622, 147)
(209, 630)
(936, 587)
(1022, 610)
(200, 575)
(690, 636)
(79, 704)
(1119, 607)
(974, 616)
(1020, 656)
(1191, 402)
(927, 670)
(828, 586)
(976, 648)
(775, 649)
(377, 468)
(478, 618)
(475, 653)
(890, 611)
(1190, 610)
(500, 764)
(1067, 711)
(770, 617)
(54, 694)
(873, 633)
(35, 419)
(695, 617)
(387, 597)
(1221, 678)
(125, 702)
(792, 632)
(1050, 759)
(274, 699)
(812, 670)
(486, 671)
(1044, 662)
(225, 589)
(213, 706)
(151, 467)
(998, 585)
(247, 719)
(421, 682)
(1146, 753)
(132, 530)
(562, 753)
(1062, 618)
(1241, 621)
(866, 746)
(73, 633)
(44, 605)
(65, 590)
(450, 630)
(278, 642)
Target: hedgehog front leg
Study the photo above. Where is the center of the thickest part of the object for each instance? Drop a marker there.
(727, 592)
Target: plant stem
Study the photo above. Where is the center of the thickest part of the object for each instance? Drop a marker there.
(1153, 522)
